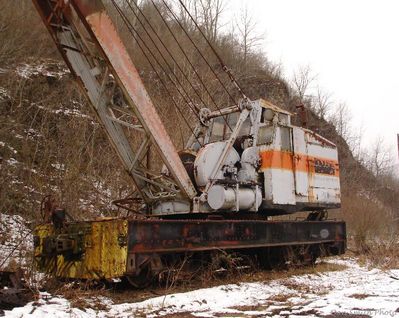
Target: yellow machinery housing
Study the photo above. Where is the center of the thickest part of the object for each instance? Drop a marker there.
(83, 250)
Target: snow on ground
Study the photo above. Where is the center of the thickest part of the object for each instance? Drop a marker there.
(351, 292)
(48, 69)
(4, 95)
(15, 240)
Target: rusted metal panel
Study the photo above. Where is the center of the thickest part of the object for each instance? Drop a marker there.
(83, 250)
(323, 170)
(162, 236)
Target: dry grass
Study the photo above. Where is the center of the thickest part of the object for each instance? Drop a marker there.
(360, 296)
(258, 307)
(381, 254)
(280, 298)
(179, 315)
(321, 267)
(82, 295)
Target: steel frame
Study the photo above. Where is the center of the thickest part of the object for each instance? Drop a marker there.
(148, 240)
(162, 236)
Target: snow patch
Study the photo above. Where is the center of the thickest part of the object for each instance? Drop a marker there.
(32, 133)
(12, 149)
(74, 112)
(16, 240)
(71, 112)
(12, 162)
(58, 166)
(47, 69)
(4, 94)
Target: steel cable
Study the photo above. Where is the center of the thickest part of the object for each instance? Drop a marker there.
(224, 67)
(199, 51)
(135, 34)
(202, 56)
(164, 46)
(164, 59)
(181, 49)
(127, 22)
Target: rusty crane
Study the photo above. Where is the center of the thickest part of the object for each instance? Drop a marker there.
(241, 165)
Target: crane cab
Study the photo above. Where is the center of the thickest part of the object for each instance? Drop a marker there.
(277, 167)
(299, 167)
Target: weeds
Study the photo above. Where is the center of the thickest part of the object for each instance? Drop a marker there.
(83, 296)
(383, 254)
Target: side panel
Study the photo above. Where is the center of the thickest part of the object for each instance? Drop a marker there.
(316, 169)
(324, 186)
(301, 165)
(277, 167)
(301, 175)
(110, 244)
(161, 236)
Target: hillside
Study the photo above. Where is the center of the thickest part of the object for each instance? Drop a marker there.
(51, 144)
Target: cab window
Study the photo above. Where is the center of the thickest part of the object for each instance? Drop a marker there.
(217, 129)
(220, 131)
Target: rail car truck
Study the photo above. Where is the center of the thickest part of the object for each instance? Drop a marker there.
(242, 166)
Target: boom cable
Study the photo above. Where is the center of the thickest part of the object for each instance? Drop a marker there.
(189, 61)
(163, 58)
(164, 46)
(198, 50)
(175, 80)
(136, 35)
(129, 26)
(204, 58)
(224, 67)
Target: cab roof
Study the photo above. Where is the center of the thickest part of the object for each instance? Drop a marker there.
(268, 105)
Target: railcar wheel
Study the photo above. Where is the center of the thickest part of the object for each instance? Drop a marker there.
(141, 280)
(271, 258)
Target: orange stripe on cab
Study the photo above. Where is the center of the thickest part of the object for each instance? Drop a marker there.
(274, 159)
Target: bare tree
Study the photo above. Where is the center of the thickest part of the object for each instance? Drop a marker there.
(380, 160)
(246, 31)
(322, 103)
(211, 11)
(341, 120)
(129, 5)
(302, 80)
(184, 18)
(207, 13)
(356, 145)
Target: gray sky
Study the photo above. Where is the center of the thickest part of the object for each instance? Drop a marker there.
(351, 45)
